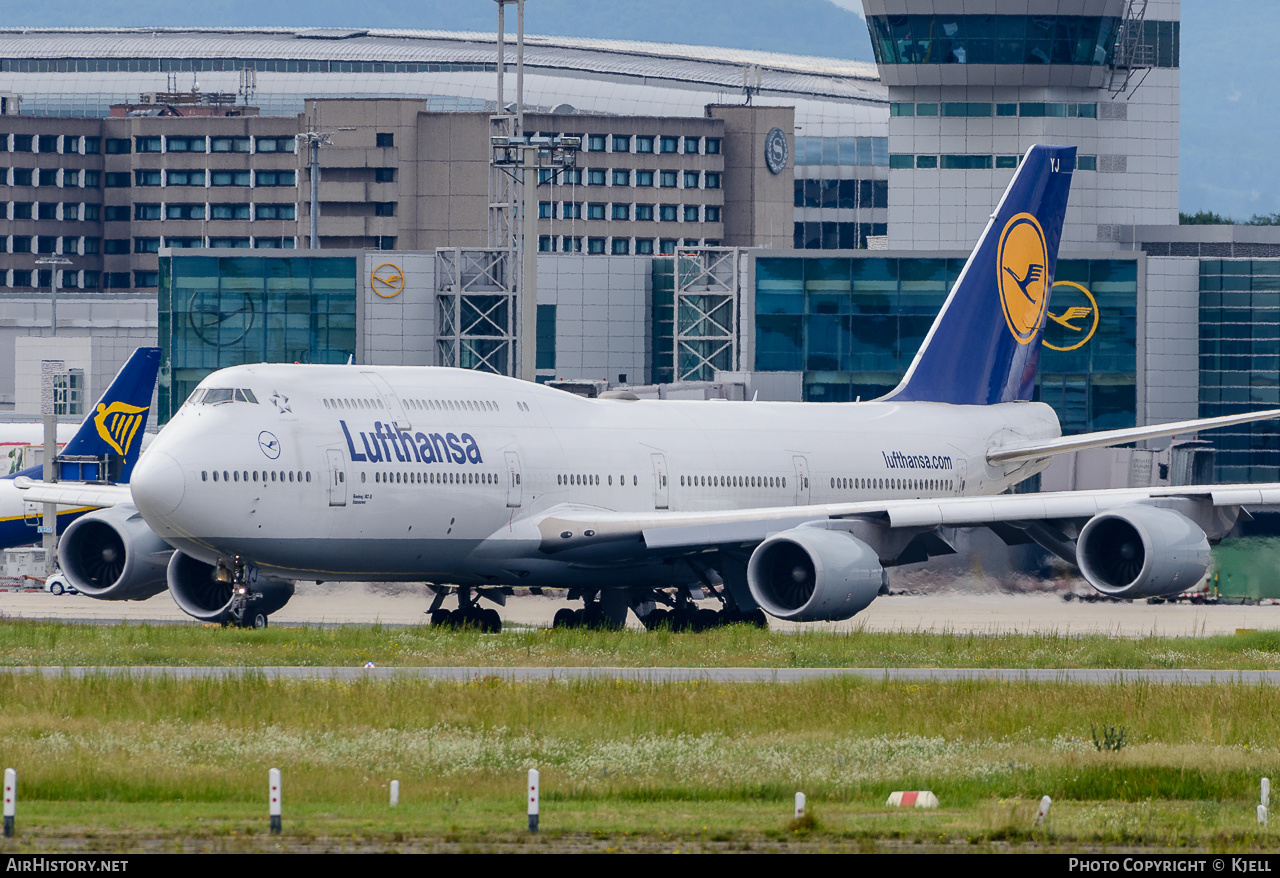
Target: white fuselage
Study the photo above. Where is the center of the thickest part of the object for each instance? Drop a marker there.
(309, 482)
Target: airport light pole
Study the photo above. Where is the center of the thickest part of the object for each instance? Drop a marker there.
(53, 287)
(531, 156)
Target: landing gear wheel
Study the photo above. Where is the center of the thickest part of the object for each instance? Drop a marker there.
(657, 619)
(705, 620)
(490, 621)
(441, 619)
(259, 620)
(563, 618)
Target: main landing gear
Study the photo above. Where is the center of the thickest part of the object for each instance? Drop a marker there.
(606, 610)
(685, 615)
(468, 615)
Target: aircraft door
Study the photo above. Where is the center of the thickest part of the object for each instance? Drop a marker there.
(515, 492)
(660, 491)
(802, 480)
(337, 477)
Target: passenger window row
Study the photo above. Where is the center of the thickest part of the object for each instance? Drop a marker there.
(893, 484)
(263, 477)
(581, 479)
(733, 481)
(432, 478)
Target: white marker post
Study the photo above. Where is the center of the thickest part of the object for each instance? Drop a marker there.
(799, 805)
(1266, 791)
(533, 800)
(1044, 810)
(273, 805)
(395, 793)
(10, 799)
(1262, 815)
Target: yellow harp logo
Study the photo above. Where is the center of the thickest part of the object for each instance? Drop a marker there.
(118, 423)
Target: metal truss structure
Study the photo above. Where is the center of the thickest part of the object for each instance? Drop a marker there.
(475, 309)
(707, 303)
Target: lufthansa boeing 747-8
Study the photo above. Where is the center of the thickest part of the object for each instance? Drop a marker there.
(476, 483)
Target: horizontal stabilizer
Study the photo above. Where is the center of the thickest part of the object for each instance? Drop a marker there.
(1018, 452)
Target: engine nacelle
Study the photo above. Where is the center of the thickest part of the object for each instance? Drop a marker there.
(1142, 551)
(810, 574)
(198, 592)
(112, 555)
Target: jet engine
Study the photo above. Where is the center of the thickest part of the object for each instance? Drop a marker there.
(1142, 551)
(810, 574)
(200, 591)
(112, 555)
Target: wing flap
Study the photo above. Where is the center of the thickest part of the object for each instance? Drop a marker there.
(1019, 452)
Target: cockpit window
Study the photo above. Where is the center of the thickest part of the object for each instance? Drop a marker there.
(219, 395)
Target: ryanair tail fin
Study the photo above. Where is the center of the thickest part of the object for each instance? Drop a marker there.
(984, 346)
(118, 421)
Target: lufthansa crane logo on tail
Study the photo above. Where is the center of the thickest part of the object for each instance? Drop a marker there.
(118, 424)
(1022, 266)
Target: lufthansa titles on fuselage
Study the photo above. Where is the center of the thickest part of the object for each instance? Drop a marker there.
(898, 460)
(385, 441)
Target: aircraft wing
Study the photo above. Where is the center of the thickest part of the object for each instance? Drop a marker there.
(592, 532)
(73, 493)
(1017, 452)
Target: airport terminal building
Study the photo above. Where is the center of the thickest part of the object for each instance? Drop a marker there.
(721, 210)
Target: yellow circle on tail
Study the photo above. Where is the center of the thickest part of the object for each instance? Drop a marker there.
(1022, 265)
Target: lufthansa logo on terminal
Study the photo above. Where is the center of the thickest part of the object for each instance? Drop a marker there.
(1075, 323)
(387, 280)
(1021, 266)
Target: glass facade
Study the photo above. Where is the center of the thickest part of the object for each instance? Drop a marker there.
(993, 39)
(853, 324)
(1240, 363)
(216, 312)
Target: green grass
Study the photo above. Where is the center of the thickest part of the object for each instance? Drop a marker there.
(25, 643)
(120, 762)
(693, 762)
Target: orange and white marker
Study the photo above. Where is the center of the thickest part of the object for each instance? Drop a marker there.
(273, 804)
(912, 799)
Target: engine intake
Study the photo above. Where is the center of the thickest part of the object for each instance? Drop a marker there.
(112, 555)
(1142, 551)
(198, 592)
(810, 574)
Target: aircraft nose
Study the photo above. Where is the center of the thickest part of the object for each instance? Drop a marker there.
(157, 484)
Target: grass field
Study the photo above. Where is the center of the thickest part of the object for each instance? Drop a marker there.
(25, 643)
(115, 763)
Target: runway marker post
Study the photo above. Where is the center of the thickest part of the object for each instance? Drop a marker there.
(1266, 791)
(395, 793)
(10, 800)
(273, 805)
(533, 800)
(1044, 810)
(800, 802)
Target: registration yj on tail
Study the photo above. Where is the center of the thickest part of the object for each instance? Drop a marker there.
(476, 483)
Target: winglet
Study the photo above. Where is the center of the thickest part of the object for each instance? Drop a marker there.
(984, 346)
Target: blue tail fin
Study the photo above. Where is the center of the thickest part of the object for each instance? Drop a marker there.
(984, 346)
(117, 422)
